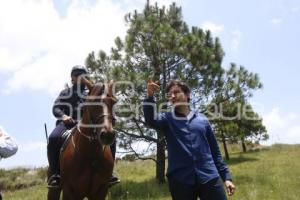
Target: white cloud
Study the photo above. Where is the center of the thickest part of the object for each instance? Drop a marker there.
(236, 39)
(274, 120)
(282, 127)
(38, 48)
(214, 28)
(276, 21)
(140, 3)
(292, 116)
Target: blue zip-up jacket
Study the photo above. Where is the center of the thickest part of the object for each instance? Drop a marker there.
(193, 152)
(68, 102)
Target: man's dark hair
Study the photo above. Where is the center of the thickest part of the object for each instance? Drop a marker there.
(183, 86)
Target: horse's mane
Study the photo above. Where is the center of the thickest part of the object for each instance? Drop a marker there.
(99, 89)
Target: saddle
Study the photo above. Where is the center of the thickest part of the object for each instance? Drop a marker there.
(66, 136)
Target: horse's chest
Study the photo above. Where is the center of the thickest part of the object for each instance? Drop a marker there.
(95, 170)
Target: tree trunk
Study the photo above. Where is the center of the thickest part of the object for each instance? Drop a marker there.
(161, 146)
(244, 145)
(160, 158)
(225, 147)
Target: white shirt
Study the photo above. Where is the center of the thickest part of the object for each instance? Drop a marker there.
(8, 145)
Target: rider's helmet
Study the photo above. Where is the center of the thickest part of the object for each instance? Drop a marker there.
(78, 70)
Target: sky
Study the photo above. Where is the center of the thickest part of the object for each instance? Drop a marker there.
(40, 41)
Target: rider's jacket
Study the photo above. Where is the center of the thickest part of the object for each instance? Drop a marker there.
(68, 103)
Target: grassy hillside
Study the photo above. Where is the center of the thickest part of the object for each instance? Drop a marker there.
(270, 174)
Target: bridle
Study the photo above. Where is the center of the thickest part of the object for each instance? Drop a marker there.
(94, 136)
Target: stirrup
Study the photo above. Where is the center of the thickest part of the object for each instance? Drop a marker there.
(113, 181)
(54, 181)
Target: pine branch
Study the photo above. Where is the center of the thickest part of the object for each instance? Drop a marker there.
(139, 156)
(138, 136)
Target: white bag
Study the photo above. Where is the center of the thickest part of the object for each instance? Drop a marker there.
(8, 145)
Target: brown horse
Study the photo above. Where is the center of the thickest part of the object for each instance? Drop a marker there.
(87, 162)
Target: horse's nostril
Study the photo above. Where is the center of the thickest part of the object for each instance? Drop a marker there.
(107, 138)
(102, 135)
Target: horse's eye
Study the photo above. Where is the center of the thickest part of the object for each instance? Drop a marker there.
(113, 120)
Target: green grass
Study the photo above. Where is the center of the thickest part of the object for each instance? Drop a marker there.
(269, 174)
(37, 192)
(19, 178)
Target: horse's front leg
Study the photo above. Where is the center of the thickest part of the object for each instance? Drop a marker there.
(53, 193)
(68, 194)
(100, 194)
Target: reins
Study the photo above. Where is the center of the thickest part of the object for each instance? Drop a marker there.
(90, 138)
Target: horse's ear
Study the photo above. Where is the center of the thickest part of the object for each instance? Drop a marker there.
(110, 89)
(88, 83)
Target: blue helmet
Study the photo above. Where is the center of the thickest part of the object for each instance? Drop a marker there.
(78, 70)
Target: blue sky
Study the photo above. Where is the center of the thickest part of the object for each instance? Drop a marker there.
(41, 40)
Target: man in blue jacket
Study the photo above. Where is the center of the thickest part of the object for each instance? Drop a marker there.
(195, 164)
(65, 109)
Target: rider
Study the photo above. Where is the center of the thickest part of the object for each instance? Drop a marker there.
(65, 109)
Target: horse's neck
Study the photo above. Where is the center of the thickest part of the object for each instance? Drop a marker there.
(83, 141)
(84, 123)
(86, 148)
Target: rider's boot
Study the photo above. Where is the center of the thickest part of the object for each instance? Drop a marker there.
(53, 171)
(54, 181)
(113, 179)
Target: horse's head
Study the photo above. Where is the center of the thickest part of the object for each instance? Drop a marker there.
(100, 106)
